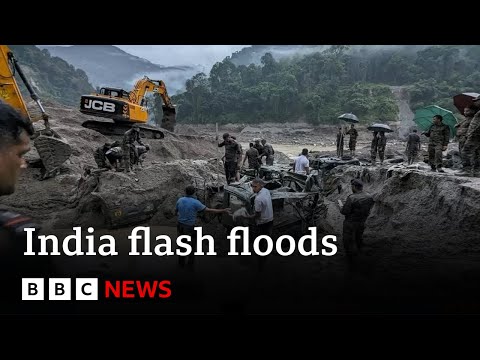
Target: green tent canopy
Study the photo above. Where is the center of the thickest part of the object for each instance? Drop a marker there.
(424, 118)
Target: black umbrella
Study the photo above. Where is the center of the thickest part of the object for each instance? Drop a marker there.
(349, 117)
(461, 101)
(380, 128)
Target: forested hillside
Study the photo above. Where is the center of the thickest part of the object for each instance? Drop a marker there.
(318, 87)
(51, 77)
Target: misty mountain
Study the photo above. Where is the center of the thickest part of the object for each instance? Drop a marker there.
(253, 54)
(364, 79)
(51, 77)
(107, 65)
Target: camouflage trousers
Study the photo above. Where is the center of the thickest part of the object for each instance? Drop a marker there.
(352, 144)
(435, 156)
(381, 154)
(129, 154)
(471, 153)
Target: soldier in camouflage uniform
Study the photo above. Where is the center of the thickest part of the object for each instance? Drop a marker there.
(381, 145)
(340, 139)
(232, 150)
(252, 156)
(129, 151)
(413, 146)
(352, 143)
(259, 148)
(100, 157)
(374, 147)
(462, 128)
(356, 210)
(439, 135)
(268, 152)
(471, 148)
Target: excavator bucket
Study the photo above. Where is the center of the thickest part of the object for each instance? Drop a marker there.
(53, 152)
(169, 116)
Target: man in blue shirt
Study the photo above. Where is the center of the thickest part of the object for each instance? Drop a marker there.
(186, 210)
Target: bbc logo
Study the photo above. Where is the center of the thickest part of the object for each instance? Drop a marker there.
(59, 289)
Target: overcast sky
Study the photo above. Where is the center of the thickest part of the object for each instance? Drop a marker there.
(182, 54)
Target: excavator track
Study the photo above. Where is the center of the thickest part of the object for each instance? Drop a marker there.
(119, 128)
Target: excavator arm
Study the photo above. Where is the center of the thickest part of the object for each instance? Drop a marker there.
(52, 150)
(146, 85)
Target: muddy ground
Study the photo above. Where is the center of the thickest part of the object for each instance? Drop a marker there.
(422, 244)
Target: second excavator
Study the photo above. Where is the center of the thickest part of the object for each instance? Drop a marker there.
(128, 108)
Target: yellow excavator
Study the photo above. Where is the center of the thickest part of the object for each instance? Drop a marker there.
(53, 151)
(128, 108)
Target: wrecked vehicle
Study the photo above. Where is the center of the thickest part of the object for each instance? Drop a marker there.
(293, 212)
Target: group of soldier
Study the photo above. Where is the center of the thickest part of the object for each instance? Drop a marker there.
(378, 144)
(234, 153)
(122, 157)
(352, 143)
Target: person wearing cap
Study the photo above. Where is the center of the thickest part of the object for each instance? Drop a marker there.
(471, 148)
(356, 210)
(186, 209)
(129, 150)
(439, 137)
(100, 156)
(232, 152)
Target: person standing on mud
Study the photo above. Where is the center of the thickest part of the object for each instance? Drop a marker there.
(374, 147)
(352, 143)
(231, 156)
(268, 152)
(356, 210)
(129, 150)
(239, 159)
(186, 210)
(252, 156)
(340, 142)
(302, 164)
(379, 142)
(15, 132)
(439, 136)
(413, 146)
(462, 128)
(263, 216)
(260, 149)
(471, 148)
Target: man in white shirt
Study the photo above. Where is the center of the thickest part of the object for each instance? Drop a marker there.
(302, 164)
(263, 216)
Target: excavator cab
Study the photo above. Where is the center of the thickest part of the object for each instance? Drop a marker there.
(53, 151)
(128, 108)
